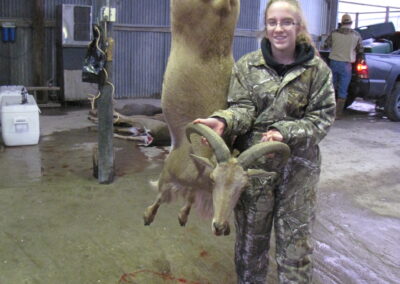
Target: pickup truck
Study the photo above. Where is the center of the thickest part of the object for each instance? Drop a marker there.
(377, 78)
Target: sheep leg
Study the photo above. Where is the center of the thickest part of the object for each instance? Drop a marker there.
(185, 210)
(151, 211)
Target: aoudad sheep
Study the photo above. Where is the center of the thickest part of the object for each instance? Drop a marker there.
(196, 83)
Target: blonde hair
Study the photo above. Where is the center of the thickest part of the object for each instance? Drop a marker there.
(303, 36)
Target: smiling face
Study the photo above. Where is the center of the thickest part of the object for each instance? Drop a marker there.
(282, 27)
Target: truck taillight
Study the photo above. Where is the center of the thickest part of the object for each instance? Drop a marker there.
(362, 70)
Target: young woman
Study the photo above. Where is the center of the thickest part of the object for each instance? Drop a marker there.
(282, 92)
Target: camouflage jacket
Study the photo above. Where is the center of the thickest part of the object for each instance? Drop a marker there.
(301, 104)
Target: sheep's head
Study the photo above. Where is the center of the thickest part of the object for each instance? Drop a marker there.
(229, 174)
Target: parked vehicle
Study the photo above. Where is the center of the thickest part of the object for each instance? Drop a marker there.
(377, 77)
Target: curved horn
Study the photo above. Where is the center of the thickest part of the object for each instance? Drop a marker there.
(264, 148)
(221, 151)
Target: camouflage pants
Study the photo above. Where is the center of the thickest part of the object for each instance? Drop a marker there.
(290, 207)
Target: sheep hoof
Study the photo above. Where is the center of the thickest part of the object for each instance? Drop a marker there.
(182, 220)
(148, 216)
(147, 220)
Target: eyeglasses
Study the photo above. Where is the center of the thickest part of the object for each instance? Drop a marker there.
(284, 24)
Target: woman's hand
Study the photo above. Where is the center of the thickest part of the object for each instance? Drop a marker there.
(215, 124)
(269, 136)
(272, 135)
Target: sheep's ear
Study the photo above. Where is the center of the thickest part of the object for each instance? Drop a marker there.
(261, 174)
(202, 161)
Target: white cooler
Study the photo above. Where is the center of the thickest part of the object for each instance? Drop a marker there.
(9, 90)
(20, 122)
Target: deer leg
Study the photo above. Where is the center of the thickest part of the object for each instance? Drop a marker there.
(134, 131)
(132, 138)
(185, 210)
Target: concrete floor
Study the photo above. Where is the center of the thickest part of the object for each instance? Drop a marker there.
(59, 225)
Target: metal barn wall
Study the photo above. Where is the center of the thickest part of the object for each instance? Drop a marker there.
(16, 58)
(140, 74)
(250, 23)
(251, 15)
(142, 37)
(316, 14)
(16, 8)
(50, 6)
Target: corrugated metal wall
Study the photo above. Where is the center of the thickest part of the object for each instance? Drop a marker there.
(316, 13)
(140, 74)
(16, 8)
(50, 6)
(248, 27)
(142, 47)
(142, 40)
(16, 58)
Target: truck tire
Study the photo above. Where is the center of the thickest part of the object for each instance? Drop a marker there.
(351, 95)
(392, 105)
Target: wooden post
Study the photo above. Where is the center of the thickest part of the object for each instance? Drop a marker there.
(105, 102)
(38, 42)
